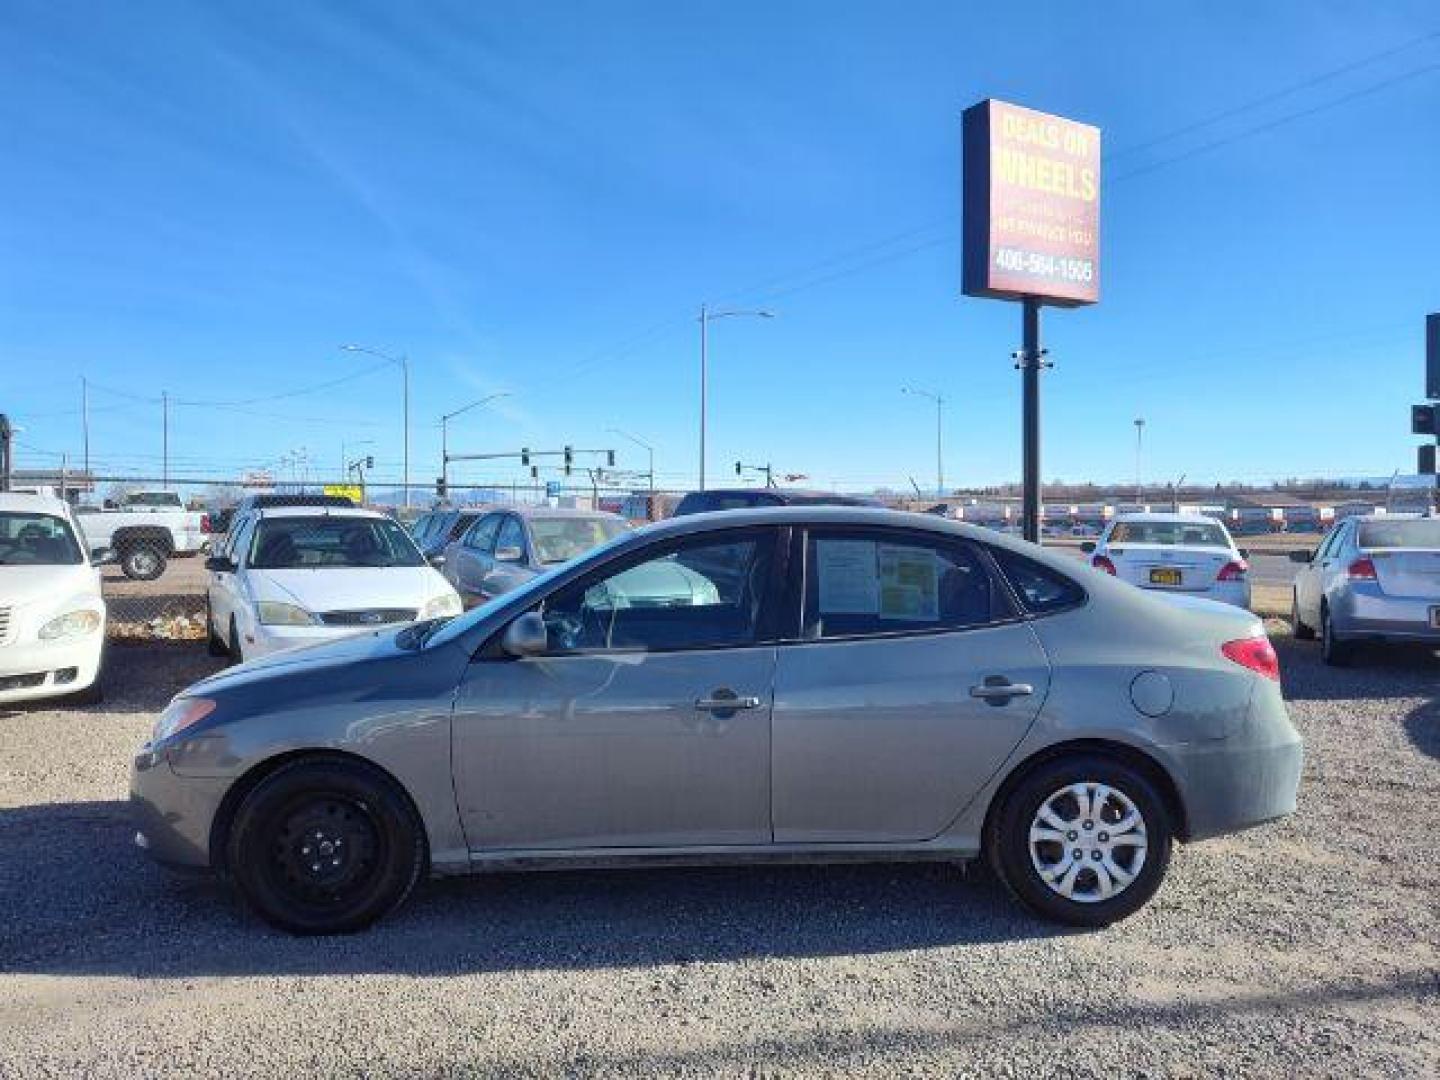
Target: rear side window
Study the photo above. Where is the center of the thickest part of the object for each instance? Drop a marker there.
(861, 584)
(1040, 589)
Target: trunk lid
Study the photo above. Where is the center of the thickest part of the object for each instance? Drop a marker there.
(1410, 572)
(1169, 567)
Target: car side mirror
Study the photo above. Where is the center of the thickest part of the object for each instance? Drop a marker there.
(437, 561)
(1243, 552)
(526, 636)
(101, 556)
(508, 554)
(219, 564)
(1087, 546)
(1306, 556)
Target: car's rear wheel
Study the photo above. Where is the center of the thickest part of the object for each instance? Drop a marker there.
(213, 645)
(1334, 652)
(1083, 840)
(236, 650)
(1298, 627)
(325, 846)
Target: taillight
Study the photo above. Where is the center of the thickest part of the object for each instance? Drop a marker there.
(1101, 562)
(1361, 570)
(205, 524)
(1234, 571)
(1255, 653)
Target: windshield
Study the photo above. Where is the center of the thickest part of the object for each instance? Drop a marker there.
(30, 539)
(160, 499)
(559, 540)
(327, 543)
(1179, 533)
(1401, 534)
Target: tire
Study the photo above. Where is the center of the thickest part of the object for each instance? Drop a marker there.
(1333, 652)
(235, 651)
(1298, 628)
(142, 561)
(213, 645)
(1019, 862)
(317, 809)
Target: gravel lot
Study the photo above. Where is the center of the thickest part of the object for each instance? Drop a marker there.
(1306, 947)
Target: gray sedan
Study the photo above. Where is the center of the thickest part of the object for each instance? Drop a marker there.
(506, 548)
(1373, 579)
(830, 684)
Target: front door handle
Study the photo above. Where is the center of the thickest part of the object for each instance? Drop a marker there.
(726, 701)
(997, 690)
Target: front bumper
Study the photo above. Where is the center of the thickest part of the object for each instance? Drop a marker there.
(35, 669)
(173, 814)
(1250, 778)
(264, 640)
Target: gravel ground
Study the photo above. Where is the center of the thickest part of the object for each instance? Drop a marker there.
(1308, 947)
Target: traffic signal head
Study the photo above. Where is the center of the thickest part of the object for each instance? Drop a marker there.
(369, 461)
(534, 472)
(610, 458)
(440, 487)
(1425, 460)
(569, 459)
(1425, 419)
(525, 455)
(737, 468)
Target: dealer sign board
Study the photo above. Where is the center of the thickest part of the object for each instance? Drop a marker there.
(1031, 206)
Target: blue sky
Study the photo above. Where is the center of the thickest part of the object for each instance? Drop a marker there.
(208, 199)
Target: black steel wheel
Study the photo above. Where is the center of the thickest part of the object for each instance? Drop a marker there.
(325, 846)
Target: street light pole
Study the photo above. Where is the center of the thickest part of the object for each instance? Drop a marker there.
(1139, 438)
(403, 363)
(444, 434)
(939, 401)
(649, 450)
(706, 317)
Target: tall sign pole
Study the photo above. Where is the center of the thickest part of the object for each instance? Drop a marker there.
(1032, 234)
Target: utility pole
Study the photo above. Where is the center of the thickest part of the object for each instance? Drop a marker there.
(85, 423)
(1139, 439)
(165, 437)
(706, 317)
(403, 363)
(649, 450)
(444, 433)
(939, 400)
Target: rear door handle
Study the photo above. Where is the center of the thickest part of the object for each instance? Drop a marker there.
(726, 702)
(1000, 690)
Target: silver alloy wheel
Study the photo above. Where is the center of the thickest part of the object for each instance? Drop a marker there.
(1088, 842)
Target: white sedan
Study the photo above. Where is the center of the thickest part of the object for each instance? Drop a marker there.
(294, 576)
(52, 617)
(1179, 553)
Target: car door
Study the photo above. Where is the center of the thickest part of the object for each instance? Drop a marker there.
(513, 569)
(472, 559)
(646, 724)
(911, 680)
(1313, 579)
(222, 588)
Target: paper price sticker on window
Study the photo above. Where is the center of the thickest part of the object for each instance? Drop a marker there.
(909, 583)
(847, 578)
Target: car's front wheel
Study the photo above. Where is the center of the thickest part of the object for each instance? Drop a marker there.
(325, 846)
(1083, 840)
(1298, 627)
(1334, 652)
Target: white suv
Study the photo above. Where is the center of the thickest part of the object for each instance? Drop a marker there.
(52, 617)
(292, 576)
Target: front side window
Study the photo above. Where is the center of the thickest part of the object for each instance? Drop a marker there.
(698, 594)
(860, 584)
(482, 536)
(34, 539)
(512, 536)
(559, 540)
(320, 543)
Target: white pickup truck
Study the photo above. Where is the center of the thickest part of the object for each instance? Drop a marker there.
(145, 531)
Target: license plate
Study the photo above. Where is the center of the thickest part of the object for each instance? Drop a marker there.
(1164, 576)
(1435, 618)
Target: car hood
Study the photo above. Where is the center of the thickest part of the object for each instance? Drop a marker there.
(21, 585)
(350, 588)
(353, 648)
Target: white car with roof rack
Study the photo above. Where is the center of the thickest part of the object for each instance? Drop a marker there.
(1182, 553)
(52, 616)
(291, 576)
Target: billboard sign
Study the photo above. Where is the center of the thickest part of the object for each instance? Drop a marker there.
(1031, 206)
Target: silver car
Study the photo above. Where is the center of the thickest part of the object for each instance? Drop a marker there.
(506, 548)
(1373, 579)
(848, 684)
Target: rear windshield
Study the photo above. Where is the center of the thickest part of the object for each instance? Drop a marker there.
(1185, 533)
(317, 543)
(559, 540)
(1401, 534)
(703, 502)
(37, 540)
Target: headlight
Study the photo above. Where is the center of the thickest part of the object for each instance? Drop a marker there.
(70, 624)
(273, 613)
(441, 606)
(179, 715)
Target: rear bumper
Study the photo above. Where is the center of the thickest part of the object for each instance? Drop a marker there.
(1364, 612)
(1253, 777)
(1235, 593)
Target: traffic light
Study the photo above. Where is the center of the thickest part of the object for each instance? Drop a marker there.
(737, 468)
(569, 459)
(610, 458)
(1425, 460)
(525, 455)
(440, 487)
(369, 461)
(1425, 419)
(534, 472)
